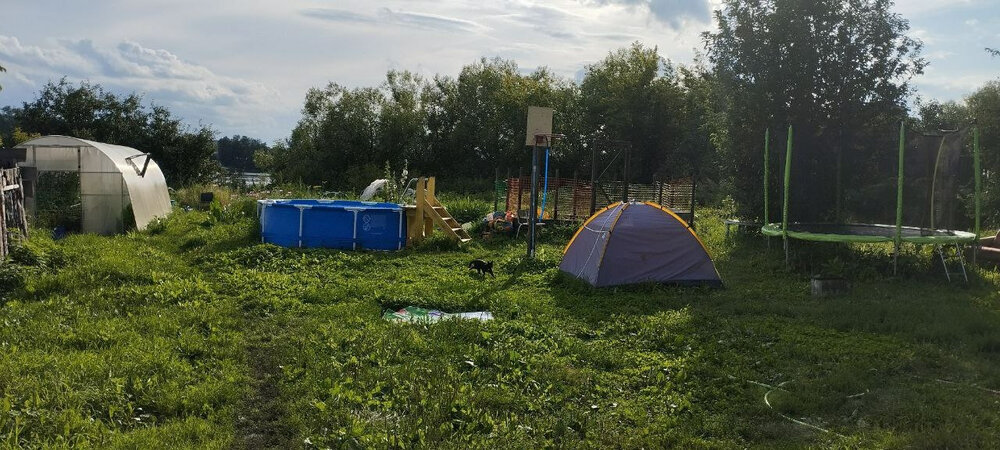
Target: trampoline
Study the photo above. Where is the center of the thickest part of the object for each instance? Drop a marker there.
(927, 182)
(867, 232)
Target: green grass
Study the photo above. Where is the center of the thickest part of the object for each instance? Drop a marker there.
(194, 335)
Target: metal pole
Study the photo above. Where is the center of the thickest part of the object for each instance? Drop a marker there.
(628, 154)
(767, 181)
(593, 178)
(767, 141)
(545, 184)
(840, 185)
(784, 209)
(694, 185)
(898, 238)
(533, 200)
(979, 188)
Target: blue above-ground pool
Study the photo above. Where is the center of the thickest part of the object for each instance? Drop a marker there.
(340, 224)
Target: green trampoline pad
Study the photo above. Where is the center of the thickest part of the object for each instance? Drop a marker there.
(866, 232)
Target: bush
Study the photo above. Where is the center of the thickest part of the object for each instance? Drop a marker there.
(191, 196)
(156, 226)
(467, 209)
(467, 186)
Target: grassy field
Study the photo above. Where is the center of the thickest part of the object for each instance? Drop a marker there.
(192, 334)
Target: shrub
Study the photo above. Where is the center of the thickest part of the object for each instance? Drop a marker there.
(191, 196)
(467, 209)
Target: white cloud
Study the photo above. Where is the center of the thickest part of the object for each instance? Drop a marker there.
(387, 16)
(938, 55)
(59, 58)
(245, 66)
(189, 90)
(671, 12)
(957, 85)
(921, 7)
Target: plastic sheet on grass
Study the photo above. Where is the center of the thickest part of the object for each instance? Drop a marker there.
(414, 314)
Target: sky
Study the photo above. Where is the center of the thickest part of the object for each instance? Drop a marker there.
(244, 66)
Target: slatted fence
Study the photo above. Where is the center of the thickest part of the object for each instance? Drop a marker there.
(570, 198)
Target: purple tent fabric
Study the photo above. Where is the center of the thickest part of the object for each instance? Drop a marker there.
(638, 243)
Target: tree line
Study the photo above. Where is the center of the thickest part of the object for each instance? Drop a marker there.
(472, 124)
(185, 154)
(88, 111)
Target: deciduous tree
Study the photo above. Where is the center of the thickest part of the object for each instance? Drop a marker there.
(839, 70)
(186, 155)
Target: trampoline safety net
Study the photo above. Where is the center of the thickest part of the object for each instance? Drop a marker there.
(859, 186)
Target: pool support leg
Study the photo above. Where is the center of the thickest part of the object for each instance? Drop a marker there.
(301, 214)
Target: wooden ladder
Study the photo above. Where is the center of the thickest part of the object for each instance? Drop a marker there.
(427, 212)
(444, 220)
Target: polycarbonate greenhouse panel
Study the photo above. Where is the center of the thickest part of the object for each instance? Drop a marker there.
(53, 159)
(108, 180)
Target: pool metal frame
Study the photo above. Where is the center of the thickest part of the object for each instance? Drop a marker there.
(324, 203)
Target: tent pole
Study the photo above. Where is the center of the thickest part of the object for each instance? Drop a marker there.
(898, 238)
(784, 209)
(979, 187)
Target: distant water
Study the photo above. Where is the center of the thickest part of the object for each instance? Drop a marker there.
(256, 178)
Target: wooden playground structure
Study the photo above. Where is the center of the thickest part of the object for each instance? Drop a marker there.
(427, 212)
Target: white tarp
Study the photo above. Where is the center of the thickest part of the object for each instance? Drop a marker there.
(108, 181)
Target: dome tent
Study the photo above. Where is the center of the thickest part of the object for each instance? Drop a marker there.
(112, 178)
(628, 243)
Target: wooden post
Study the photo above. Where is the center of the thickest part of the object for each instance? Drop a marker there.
(660, 192)
(416, 227)
(555, 197)
(20, 204)
(507, 193)
(4, 249)
(428, 221)
(520, 189)
(576, 184)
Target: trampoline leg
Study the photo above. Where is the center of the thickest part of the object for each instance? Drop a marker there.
(787, 263)
(944, 264)
(895, 260)
(961, 262)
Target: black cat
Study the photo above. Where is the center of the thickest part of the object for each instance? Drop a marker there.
(482, 267)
